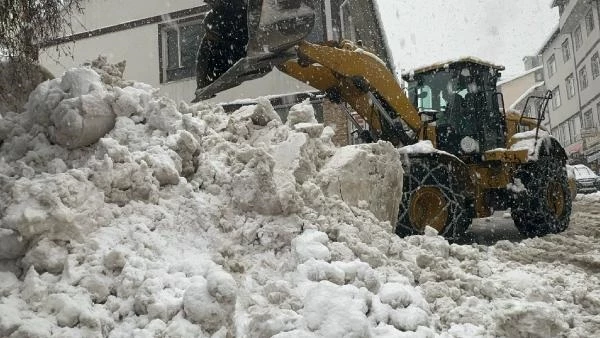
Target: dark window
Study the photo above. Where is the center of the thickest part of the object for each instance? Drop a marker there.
(588, 119)
(583, 80)
(556, 102)
(179, 43)
(570, 82)
(589, 22)
(578, 38)
(551, 66)
(566, 52)
(595, 65)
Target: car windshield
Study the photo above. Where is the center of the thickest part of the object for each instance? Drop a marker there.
(584, 172)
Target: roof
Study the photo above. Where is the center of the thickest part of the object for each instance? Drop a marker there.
(512, 78)
(447, 63)
(527, 93)
(549, 39)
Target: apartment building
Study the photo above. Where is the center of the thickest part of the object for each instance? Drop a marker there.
(571, 59)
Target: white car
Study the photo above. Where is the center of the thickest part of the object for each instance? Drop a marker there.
(587, 181)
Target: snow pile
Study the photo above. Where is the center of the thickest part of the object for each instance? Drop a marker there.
(591, 198)
(183, 221)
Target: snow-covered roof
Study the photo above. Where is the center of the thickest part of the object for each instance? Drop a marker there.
(512, 78)
(447, 63)
(527, 94)
(554, 33)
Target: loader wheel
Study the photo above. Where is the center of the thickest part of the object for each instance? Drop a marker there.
(431, 196)
(545, 206)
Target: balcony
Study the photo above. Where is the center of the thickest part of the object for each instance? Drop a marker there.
(573, 13)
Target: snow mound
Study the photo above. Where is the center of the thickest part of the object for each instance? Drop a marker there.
(178, 220)
(125, 212)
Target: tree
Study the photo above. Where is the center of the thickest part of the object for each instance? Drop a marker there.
(24, 24)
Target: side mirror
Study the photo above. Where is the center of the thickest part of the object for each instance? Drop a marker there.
(430, 114)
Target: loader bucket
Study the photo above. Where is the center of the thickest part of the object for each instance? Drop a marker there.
(245, 39)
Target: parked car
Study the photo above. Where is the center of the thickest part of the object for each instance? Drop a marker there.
(586, 180)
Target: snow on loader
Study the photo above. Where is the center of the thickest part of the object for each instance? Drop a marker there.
(464, 156)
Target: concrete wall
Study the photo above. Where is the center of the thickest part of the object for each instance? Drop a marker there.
(105, 13)
(515, 88)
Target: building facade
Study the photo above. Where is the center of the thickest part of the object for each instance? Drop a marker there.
(517, 90)
(571, 60)
(159, 41)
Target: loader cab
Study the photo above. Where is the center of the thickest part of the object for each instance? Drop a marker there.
(462, 101)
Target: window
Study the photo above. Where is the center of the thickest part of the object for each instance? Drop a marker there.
(566, 134)
(575, 128)
(566, 51)
(578, 38)
(583, 81)
(598, 111)
(551, 66)
(595, 65)
(556, 98)
(589, 22)
(588, 120)
(179, 44)
(555, 133)
(570, 81)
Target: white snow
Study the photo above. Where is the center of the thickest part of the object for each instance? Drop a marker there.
(183, 221)
(528, 141)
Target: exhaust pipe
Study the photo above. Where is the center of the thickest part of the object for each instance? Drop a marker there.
(245, 39)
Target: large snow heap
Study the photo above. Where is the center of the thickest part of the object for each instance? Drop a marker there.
(124, 214)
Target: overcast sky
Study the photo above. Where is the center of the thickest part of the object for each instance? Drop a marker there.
(501, 31)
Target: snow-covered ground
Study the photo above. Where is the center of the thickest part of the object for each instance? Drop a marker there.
(182, 221)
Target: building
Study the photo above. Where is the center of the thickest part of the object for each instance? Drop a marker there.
(517, 90)
(571, 60)
(159, 41)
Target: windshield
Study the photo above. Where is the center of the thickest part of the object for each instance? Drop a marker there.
(584, 172)
(454, 94)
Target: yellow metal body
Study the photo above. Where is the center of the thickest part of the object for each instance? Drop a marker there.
(337, 67)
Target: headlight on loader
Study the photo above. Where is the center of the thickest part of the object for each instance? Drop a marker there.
(469, 145)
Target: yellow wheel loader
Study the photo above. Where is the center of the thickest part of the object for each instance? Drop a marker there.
(464, 156)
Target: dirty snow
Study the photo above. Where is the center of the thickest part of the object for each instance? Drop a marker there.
(183, 221)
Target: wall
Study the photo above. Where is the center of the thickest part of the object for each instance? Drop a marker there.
(515, 88)
(139, 46)
(104, 13)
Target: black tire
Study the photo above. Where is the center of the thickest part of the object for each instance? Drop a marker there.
(429, 173)
(544, 207)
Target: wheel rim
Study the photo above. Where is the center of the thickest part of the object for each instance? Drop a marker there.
(555, 196)
(428, 207)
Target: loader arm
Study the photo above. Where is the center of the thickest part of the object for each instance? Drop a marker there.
(277, 36)
(356, 76)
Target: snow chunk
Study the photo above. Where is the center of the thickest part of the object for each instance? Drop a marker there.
(301, 113)
(203, 309)
(371, 173)
(332, 311)
(311, 245)
(518, 319)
